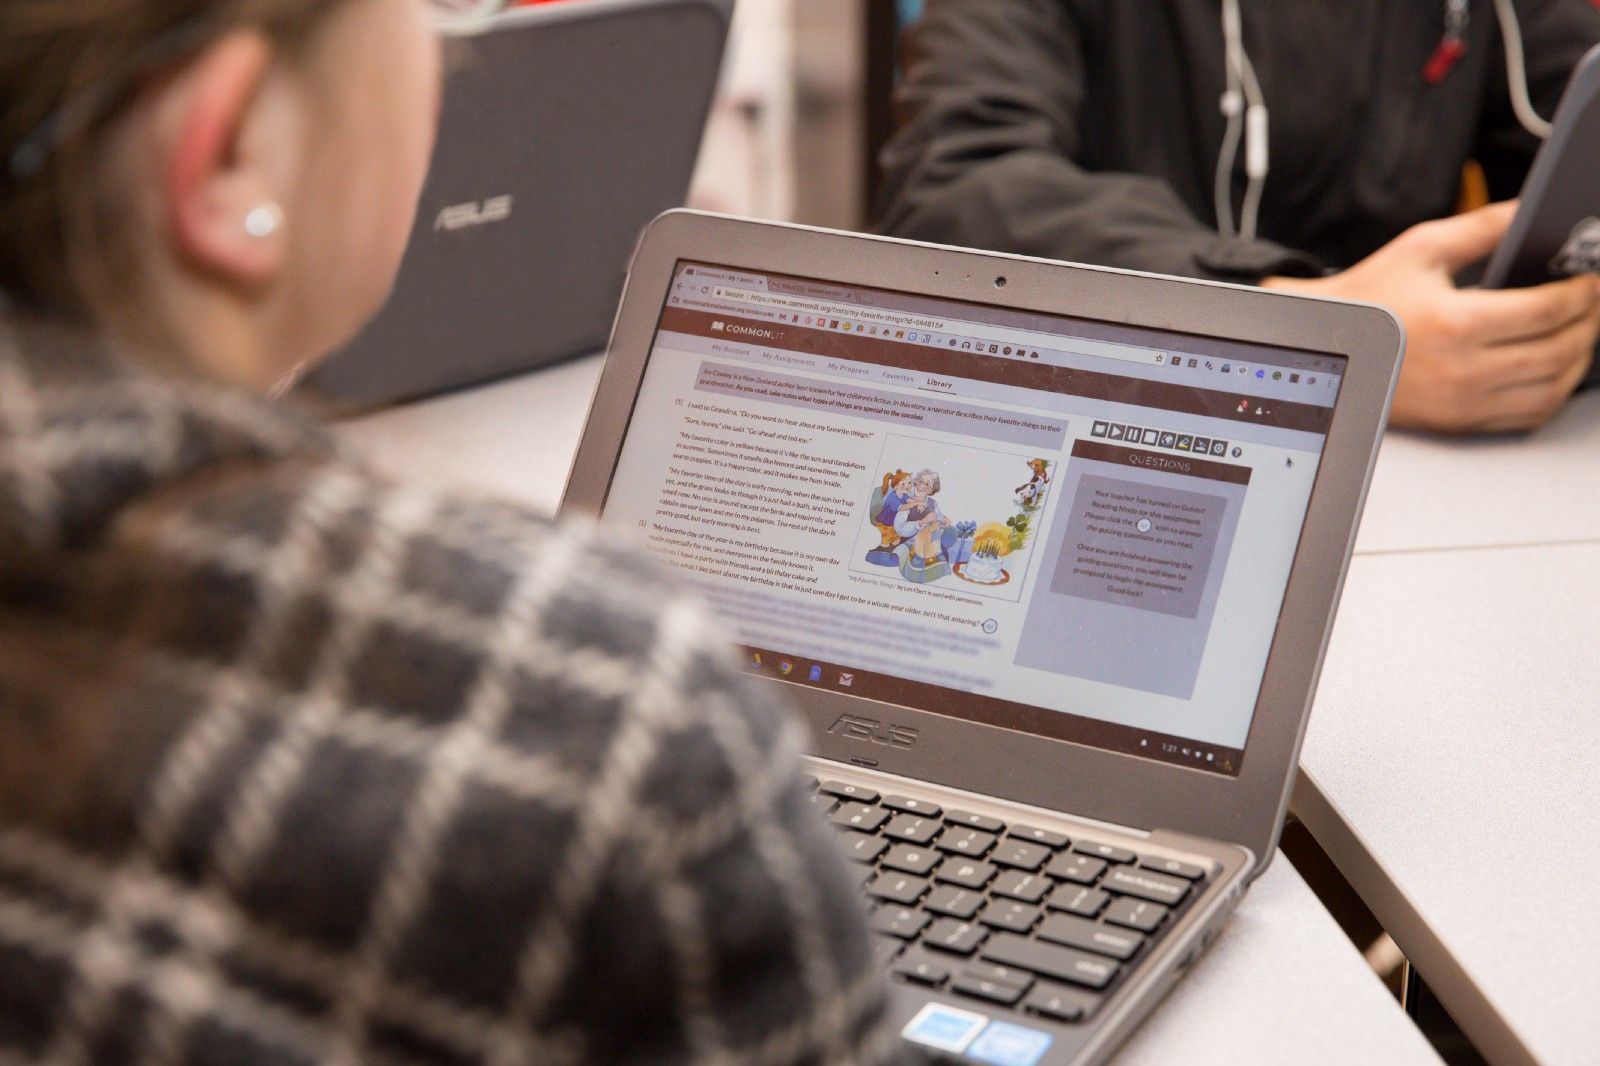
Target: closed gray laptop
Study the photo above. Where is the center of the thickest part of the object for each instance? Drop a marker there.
(565, 128)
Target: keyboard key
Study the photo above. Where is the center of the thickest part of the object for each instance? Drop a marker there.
(956, 902)
(897, 888)
(1136, 914)
(912, 860)
(1090, 936)
(859, 847)
(1050, 960)
(1157, 888)
(885, 948)
(1048, 837)
(1078, 899)
(1018, 884)
(970, 984)
(1010, 915)
(859, 816)
(1019, 853)
(965, 872)
(1079, 868)
(1187, 871)
(902, 922)
(1006, 975)
(976, 821)
(923, 968)
(971, 842)
(848, 792)
(1109, 852)
(913, 829)
(962, 938)
(999, 984)
(926, 808)
(1060, 1002)
(824, 804)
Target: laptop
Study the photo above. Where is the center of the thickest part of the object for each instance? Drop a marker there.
(1047, 555)
(1556, 231)
(513, 263)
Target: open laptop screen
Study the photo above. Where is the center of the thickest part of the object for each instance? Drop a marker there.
(1068, 527)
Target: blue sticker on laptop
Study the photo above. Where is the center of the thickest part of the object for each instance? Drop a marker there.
(944, 1028)
(1004, 1044)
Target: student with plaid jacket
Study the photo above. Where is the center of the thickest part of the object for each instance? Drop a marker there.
(303, 765)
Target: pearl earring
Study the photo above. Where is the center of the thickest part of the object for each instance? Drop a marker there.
(263, 220)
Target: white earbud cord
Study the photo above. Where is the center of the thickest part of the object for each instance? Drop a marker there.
(1517, 71)
(1255, 150)
(1232, 105)
(1245, 107)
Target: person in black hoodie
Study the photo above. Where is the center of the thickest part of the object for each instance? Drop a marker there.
(1315, 146)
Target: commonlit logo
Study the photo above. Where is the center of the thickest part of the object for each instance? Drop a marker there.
(749, 331)
(718, 327)
(473, 213)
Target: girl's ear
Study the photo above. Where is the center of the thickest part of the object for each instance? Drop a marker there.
(227, 132)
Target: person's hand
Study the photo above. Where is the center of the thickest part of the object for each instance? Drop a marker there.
(1476, 360)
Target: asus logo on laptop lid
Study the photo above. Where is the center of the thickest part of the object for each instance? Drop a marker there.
(857, 728)
(473, 213)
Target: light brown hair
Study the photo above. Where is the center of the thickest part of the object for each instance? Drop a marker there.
(64, 250)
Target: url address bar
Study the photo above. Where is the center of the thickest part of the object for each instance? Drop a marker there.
(997, 334)
(832, 310)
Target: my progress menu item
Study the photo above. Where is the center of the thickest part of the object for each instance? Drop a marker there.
(1062, 526)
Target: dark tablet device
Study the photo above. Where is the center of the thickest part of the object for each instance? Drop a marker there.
(1556, 232)
(565, 128)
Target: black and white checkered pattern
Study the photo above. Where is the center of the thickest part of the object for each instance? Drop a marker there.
(301, 766)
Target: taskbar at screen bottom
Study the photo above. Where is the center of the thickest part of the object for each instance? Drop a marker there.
(987, 710)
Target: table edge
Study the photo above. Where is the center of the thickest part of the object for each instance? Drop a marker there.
(1470, 1007)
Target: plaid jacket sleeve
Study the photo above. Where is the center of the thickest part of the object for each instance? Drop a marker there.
(304, 767)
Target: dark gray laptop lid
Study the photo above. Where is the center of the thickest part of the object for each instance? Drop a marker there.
(1556, 231)
(565, 128)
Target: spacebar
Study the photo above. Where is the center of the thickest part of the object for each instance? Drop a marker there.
(1064, 964)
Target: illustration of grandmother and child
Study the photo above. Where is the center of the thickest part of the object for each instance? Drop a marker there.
(924, 544)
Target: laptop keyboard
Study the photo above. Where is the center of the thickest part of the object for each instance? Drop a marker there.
(1006, 913)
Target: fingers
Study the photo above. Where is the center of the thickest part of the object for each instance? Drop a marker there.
(1503, 388)
(1520, 314)
(1556, 356)
(1517, 409)
(1457, 242)
(1527, 407)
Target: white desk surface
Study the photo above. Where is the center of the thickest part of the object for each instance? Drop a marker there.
(515, 438)
(1452, 769)
(1456, 713)
(1283, 984)
(1434, 492)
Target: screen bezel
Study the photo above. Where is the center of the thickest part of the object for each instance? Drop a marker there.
(1072, 777)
